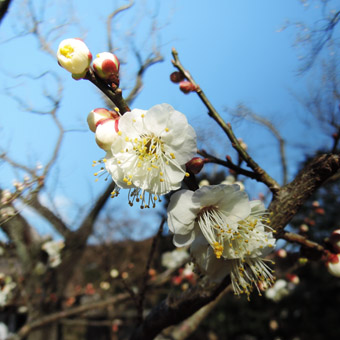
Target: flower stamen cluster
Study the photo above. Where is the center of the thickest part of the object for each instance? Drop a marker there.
(227, 232)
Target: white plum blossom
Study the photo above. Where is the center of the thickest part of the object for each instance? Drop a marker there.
(74, 56)
(53, 249)
(150, 154)
(227, 232)
(7, 285)
(173, 259)
(278, 291)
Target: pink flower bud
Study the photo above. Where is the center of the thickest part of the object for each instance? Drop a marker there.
(105, 124)
(106, 133)
(187, 87)
(333, 264)
(176, 77)
(320, 211)
(304, 228)
(106, 66)
(282, 253)
(293, 278)
(195, 165)
(335, 240)
(315, 204)
(99, 116)
(74, 56)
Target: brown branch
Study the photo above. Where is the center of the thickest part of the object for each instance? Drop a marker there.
(139, 77)
(144, 285)
(109, 23)
(174, 310)
(190, 325)
(302, 240)
(263, 176)
(57, 223)
(26, 329)
(245, 112)
(114, 95)
(292, 196)
(229, 164)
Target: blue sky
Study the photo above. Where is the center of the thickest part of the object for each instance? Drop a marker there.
(235, 49)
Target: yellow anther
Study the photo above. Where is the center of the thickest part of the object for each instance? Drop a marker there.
(67, 51)
(166, 129)
(96, 174)
(119, 133)
(127, 139)
(125, 180)
(161, 180)
(142, 115)
(186, 174)
(149, 169)
(94, 162)
(155, 198)
(129, 183)
(172, 155)
(161, 173)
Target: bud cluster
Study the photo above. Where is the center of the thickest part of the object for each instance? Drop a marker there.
(185, 85)
(75, 57)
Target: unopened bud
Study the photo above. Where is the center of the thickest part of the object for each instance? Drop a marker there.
(315, 204)
(106, 66)
(187, 87)
(293, 278)
(176, 77)
(106, 134)
(335, 240)
(99, 116)
(74, 56)
(304, 228)
(281, 253)
(195, 165)
(333, 264)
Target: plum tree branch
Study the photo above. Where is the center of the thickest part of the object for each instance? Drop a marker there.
(262, 175)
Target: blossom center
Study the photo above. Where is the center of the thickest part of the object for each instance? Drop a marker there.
(67, 51)
(231, 235)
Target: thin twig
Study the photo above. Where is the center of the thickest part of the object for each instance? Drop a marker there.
(144, 286)
(109, 23)
(229, 164)
(263, 176)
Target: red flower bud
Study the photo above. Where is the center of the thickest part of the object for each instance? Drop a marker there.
(176, 77)
(195, 165)
(187, 87)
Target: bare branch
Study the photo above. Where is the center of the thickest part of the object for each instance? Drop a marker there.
(139, 77)
(26, 329)
(4, 5)
(292, 196)
(190, 325)
(229, 164)
(57, 223)
(173, 310)
(109, 23)
(144, 285)
(245, 112)
(263, 176)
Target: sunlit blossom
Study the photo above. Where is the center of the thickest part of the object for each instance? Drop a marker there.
(150, 154)
(227, 233)
(74, 56)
